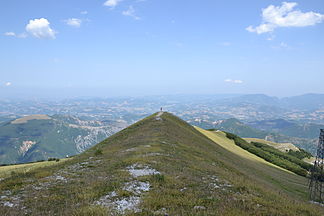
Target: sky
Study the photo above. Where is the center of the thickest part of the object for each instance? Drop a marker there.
(149, 47)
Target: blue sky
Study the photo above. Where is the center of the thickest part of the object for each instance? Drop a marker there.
(145, 47)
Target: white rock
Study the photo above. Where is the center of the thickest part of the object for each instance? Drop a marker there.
(138, 170)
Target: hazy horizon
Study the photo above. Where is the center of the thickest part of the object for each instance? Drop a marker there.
(71, 93)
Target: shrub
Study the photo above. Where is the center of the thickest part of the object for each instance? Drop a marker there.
(272, 155)
(98, 152)
(158, 178)
(300, 154)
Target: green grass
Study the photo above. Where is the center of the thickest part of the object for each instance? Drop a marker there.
(220, 138)
(190, 164)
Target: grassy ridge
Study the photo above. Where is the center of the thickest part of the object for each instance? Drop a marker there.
(197, 177)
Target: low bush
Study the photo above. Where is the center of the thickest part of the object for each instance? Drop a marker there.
(300, 154)
(270, 156)
(98, 152)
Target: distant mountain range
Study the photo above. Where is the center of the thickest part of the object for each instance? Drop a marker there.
(292, 119)
(39, 137)
(302, 102)
(289, 128)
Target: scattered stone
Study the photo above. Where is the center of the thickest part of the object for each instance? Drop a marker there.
(317, 203)
(128, 204)
(137, 187)
(84, 163)
(106, 200)
(161, 211)
(137, 170)
(131, 149)
(183, 189)
(120, 205)
(8, 204)
(152, 154)
(200, 208)
(60, 178)
(215, 183)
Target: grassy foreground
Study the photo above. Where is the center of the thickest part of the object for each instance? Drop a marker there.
(158, 166)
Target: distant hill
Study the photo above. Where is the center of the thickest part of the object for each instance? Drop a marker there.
(285, 132)
(304, 102)
(289, 128)
(39, 137)
(237, 127)
(159, 166)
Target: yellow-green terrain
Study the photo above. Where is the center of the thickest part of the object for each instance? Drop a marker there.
(158, 166)
(7, 171)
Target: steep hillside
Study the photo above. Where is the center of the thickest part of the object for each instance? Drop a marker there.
(158, 166)
(38, 137)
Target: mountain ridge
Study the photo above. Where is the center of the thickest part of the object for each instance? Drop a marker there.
(157, 166)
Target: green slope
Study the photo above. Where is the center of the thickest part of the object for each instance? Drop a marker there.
(220, 138)
(158, 166)
(39, 137)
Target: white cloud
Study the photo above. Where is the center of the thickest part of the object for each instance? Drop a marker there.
(11, 34)
(233, 81)
(74, 22)
(40, 28)
(285, 16)
(130, 12)
(84, 12)
(112, 3)
(8, 84)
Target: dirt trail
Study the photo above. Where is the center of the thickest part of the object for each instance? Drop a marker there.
(158, 116)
